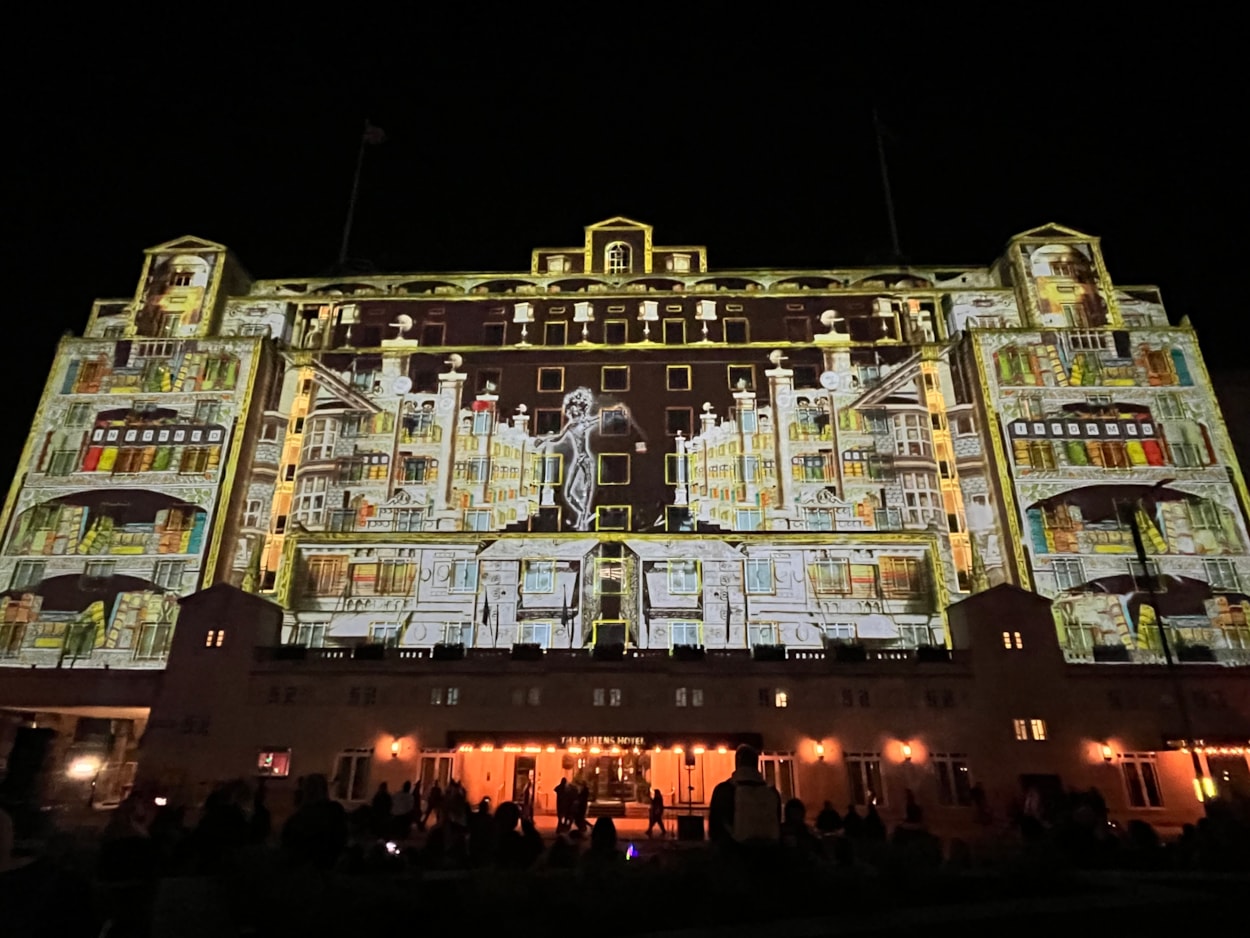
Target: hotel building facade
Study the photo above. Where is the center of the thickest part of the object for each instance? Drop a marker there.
(610, 516)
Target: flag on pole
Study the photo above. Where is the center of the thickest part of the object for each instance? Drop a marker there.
(374, 135)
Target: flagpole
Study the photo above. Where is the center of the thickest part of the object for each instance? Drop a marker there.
(351, 203)
(885, 184)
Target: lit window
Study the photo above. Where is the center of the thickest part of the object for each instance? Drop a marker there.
(599, 697)
(214, 638)
(686, 633)
(954, 783)
(683, 698)
(478, 519)
(1021, 729)
(614, 697)
(863, 770)
(1141, 780)
(275, 763)
(453, 696)
(683, 577)
(534, 696)
(781, 699)
(1012, 640)
(1037, 729)
(534, 633)
(436, 696)
(696, 697)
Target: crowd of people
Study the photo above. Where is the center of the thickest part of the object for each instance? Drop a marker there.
(748, 820)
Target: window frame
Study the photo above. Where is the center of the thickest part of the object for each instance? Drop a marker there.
(671, 370)
(549, 370)
(599, 475)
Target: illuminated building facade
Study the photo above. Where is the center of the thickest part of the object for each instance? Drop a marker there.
(621, 462)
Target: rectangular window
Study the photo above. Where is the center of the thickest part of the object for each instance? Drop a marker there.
(737, 331)
(614, 378)
(274, 763)
(696, 697)
(614, 697)
(493, 333)
(548, 420)
(831, 577)
(551, 379)
(27, 573)
(902, 577)
(599, 697)
(863, 771)
(168, 574)
(615, 332)
(749, 519)
(1222, 574)
(798, 329)
(674, 332)
(612, 517)
(1021, 729)
(534, 633)
(781, 699)
(954, 783)
(327, 576)
(1037, 729)
(488, 380)
(1013, 641)
(540, 576)
(676, 468)
(99, 569)
(478, 519)
(759, 575)
(685, 632)
(351, 775)
(453, 696)
(741, 377)
(611, 576)
(614, 468)
(555, 333)
(677, 377)
(1141, 780)
(679, 420)
(762, 633)
(463, 578)
(432, 333)
(683, 577)
(1069, 573)
(614, 421)
(682, 697)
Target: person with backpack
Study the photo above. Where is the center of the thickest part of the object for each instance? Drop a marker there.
(745, 810)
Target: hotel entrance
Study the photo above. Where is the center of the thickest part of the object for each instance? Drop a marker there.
(615, 779)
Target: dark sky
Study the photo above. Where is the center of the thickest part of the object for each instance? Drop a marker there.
(513, 130)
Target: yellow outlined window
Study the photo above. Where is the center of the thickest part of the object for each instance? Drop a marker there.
(551, 379)
(547, 468)
(555, 333)
(609, 576)
(679, 420)
(614, 378)
(613, 517)
(674, 332)
(684, 577)
(615, 331)
(609, 631)
(737, 331)
(677, 377)
(614, 468)
(540, 576)
(740, 377)
(676, 468)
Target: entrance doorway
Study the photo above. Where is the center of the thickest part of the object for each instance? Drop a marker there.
(615, 779)
(435, 767)
(1231, 775)
(524, 775)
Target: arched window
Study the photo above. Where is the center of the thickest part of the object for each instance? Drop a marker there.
(618, 257)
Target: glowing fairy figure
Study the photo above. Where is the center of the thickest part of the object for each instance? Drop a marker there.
(581, 422)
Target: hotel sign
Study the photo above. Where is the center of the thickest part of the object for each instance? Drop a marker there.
(566, 741)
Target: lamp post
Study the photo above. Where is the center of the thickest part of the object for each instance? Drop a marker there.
(1142, 504)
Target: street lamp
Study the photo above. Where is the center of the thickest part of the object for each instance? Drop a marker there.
(1145, 504)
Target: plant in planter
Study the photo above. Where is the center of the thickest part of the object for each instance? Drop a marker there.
(448, 652)
(527, 651)
(688, 652)
(768, 652)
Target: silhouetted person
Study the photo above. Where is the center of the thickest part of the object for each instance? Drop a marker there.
(223, 829)
(874, 827)
(260, 824)
(562, 855)
(402, 807)
(655, 816)
(317, 832)
(794, 830)
(381, 806)
(913, 814)
(853, 822)
(828, 820)
(563, 799)
(482, 833)
(603, 853)
(581, 805)
(433, 805)
(40, 900)
(745, 809)
(127, 852)
(515, 849)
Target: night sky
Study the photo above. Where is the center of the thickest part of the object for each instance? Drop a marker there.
(511, 131)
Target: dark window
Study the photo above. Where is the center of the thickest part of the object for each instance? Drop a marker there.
(488, 380)
(615, 332)
(432, 333)
(493, 333)
(555, 333)
(798, 329)
(548, 420)
(674, 332)
(551, 379)
(678, 420)
(805, 376)
(615, 378)
(736, 331)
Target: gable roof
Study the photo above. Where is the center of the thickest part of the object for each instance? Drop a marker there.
(186, 243)
(618, 221)
(1052, 230)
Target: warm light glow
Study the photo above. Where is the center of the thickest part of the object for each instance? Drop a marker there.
(615, 750)
(551, 748)
(678, 750)
(906, 752)
(466, 748)
(512, 749)
(698, 750)
(1106, 753)
(487, 747)
(657, 749)
(395, 749)
(1208, 786)
(160, 801)
(637, 750)
(534, 748)
(722, 750)
(820, 750)
(594, 750)
(575, 750)
(1198, 790)
(83, 767)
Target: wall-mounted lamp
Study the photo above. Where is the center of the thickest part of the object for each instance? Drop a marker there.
(395, 749)
(906, 752)
(1106, 753)
(648, 312)
(705, 312)
(820, 752)
(524, 314)
(585, 314)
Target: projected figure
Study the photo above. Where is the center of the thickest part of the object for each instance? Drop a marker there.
(581, 423)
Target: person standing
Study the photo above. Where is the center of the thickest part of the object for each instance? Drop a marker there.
(745, 809)
(402, 806)
(656, 814)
